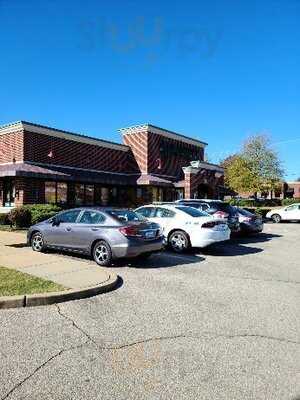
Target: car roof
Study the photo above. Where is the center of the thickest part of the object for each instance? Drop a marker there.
(202, 200)
(97, 208)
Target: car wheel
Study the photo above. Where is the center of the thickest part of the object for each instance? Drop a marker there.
(102, 253)
(37, 242)
(179, 241)
(276, 218)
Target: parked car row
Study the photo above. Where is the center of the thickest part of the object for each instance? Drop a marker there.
(108, 234)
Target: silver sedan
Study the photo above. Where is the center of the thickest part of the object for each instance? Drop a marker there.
(104, 233)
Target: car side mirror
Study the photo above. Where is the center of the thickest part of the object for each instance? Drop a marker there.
(55, 221)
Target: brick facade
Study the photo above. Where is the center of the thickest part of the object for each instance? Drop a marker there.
(150, 164)
(159, 155)
(12, 147)
(52, 150)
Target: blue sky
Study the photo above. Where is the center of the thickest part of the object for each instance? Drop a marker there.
(215, 70)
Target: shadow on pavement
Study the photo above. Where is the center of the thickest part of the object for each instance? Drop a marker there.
(230, 249)
(163, 260)
(17, 245)
(255, 238)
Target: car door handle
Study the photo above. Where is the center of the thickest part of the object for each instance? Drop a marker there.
(68, 229)
(95, 229)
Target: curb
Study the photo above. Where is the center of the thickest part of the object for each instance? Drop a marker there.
(43, 299)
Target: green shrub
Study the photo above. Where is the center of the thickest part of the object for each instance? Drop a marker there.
(242, 202)
(19, 217)
(287, 202)
(41, 212)
(3, 219)
(255, 203)
(24, 216)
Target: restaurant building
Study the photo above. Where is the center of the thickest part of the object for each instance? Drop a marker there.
(39, 164)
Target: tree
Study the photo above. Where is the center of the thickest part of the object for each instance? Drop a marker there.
(263, 161)
(256, 167)
(239, 175)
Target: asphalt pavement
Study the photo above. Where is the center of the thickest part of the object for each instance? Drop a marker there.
(219, 324)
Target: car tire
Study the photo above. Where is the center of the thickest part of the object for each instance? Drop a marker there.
(179, 241)
(102, 254)
(276, 218)
(37, 242)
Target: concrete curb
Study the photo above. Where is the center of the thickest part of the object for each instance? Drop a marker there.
(42, 299)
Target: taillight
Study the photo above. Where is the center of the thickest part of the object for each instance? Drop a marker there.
(211, 224)
(131, 231)
(221, 214)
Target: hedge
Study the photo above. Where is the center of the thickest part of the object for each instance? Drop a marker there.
(256, 203)
(25, 216)
(287, 202)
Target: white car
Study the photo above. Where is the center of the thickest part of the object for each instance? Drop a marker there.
(288, 213)
(185, 227)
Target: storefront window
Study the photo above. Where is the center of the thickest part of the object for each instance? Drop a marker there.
(104, 196)
(56, 192)
(62, 193)
(50, 192)
(89, 194)
(79, 194)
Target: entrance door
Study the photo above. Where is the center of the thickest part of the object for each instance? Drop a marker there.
(9, 193)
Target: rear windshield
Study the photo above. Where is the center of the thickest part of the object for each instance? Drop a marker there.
(126, 215)
(193, 212)
(245, 212)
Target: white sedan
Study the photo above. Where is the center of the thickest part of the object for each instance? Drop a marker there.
(289, 213)
(185, 227)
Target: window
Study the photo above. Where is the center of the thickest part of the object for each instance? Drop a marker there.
(146, 212)
(292, 208)
(79, 194)
(91, 217)
(89, 194)
(69, 216)
(164, 213)
(56, 192)
(62, 193)
(126, 215)
(193, 212)
(50, 192)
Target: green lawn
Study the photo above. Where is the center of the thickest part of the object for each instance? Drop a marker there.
(13, 282)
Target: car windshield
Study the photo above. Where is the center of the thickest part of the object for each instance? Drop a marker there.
(126, 215)
(193, 212)
(245, 212)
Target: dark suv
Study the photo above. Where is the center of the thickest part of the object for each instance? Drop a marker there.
(216, 208)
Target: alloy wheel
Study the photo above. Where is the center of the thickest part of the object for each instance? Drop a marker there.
(178, 241)
(37, 242)
(102, 253)
(276, 218)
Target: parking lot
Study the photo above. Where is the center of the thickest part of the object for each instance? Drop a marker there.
(223, 323)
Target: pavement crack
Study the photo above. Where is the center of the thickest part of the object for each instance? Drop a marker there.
(75, 324)
(248, 335)
(41, 366)
(185, 336)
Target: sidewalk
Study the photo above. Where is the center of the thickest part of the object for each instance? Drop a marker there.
(75, 274)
